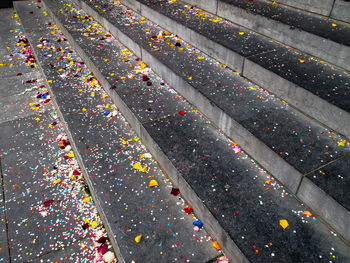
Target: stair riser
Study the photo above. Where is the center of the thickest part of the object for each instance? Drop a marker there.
(321, 203)
(212, 226)
(316, 6)
(290, 177)
(341, 11)
(303, 100)
(314, 45)
(331, 116)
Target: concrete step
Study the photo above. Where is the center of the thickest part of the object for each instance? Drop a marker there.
(239, 203)
(311, 85)
(337, 9)
(275, 134)
(326, 39)
(107, 149)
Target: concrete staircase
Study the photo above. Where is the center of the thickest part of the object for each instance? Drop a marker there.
(286, 111)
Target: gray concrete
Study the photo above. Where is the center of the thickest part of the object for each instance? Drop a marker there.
(302, 99)
(314, 45)
(323, 7)
(290, 177)
(209, 5)
(341, 11)
(331, 116)
(323, 204)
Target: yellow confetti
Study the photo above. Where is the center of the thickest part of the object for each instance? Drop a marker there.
(200, 57)
(301, 60)
(190, 78)
(71, 155)
(241, 33)
(73, 177)
(144, 169)
(94, 224)
(342, 143)
(84, 109)
(58, 181)
(216, 245)
(334, 25)
(87, 199)
(138, 238)
(137, 166)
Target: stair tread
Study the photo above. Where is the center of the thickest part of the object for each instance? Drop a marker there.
(187, 139)
(317, 25)
(167, 230)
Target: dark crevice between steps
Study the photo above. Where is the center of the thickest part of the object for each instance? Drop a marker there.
(5, 213)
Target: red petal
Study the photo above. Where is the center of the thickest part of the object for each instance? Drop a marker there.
(188, 210)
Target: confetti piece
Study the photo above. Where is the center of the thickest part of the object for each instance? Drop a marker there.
(198, 223)
(216, 245)
(342, 143)
(284, 223)
(94, 224)
(138, 238)
(153, 183)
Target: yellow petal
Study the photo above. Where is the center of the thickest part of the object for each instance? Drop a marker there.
(216, 245)
(284, 223)
(87, 199)
(138, 239)
(137, 166)
(71, 155)
(153, 183)
(94, 224)
(342, 143)
(58, 181)
(144, 169)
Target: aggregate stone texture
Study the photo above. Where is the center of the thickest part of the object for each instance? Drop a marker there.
(297, 19)
(109, 149)
(246, 201)
(296, 138)
(319, 79)
(13, 100)
(330, 176)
